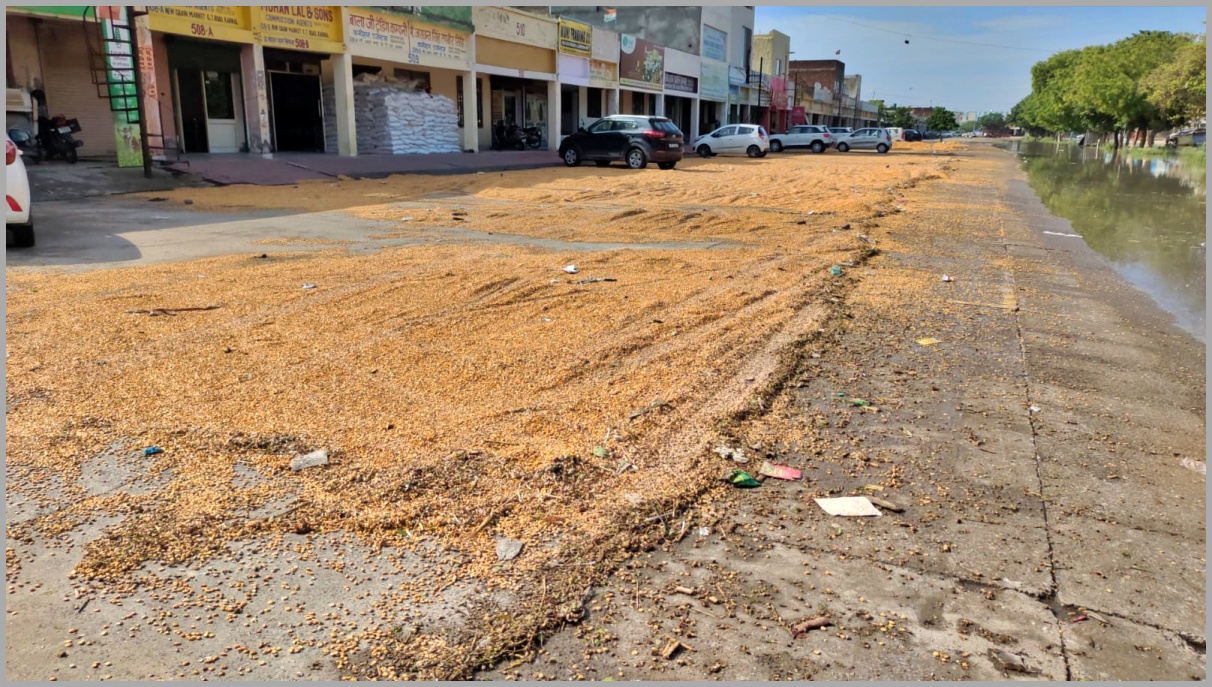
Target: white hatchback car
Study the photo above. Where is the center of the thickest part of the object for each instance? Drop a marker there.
(748, 139)
(16, 195)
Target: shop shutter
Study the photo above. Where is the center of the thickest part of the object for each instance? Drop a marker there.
(69, 87)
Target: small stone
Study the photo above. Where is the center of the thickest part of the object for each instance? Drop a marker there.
(508, 549)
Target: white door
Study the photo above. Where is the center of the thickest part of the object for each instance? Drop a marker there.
(721, 144)
(224, 126)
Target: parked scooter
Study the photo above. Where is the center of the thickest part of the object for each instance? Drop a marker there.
(27, 144)
(534, 138)
(507, 137)
(55, 138)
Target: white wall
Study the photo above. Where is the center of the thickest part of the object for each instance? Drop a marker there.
(742, 18)
(605, 45)
(682, 63)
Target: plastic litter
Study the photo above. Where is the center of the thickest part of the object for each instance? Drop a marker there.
(928, 341)
(836, 270)
(849, 506)
(947, 278)
(309, 460)
(743, 479)
(152, 450)
(779, 471)
(309, 286)
(571, 269)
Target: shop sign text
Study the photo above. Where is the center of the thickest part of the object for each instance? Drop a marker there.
(402, 38)
(576, 38)
(299, 27)
(220, 22)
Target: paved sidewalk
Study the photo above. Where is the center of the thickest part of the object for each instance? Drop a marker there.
(289, 168)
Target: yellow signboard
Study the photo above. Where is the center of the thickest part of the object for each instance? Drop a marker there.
(299, 27)
(222, 23)
(576, 38)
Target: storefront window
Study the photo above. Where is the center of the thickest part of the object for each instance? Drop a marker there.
(219, 103)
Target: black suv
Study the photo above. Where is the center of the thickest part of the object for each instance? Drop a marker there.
(912, 135)
(633, 139)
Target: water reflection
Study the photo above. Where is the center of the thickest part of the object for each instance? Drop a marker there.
(1147, 216)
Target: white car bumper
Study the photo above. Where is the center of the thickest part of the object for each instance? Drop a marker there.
(16, 192)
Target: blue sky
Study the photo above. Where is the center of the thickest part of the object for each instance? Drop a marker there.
(968, 71)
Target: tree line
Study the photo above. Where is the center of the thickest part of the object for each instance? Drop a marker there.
(1127, 91)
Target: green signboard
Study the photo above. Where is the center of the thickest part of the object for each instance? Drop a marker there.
(64, 11)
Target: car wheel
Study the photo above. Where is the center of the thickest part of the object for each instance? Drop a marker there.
(71, 158)
(23, 235)
(776, 146)
(572, 156)
(753, 151)
(704, 151)
(602, 163)
(763, 153)
(881, 148)
(818, 147)
(667, 165)
(842, 148)
(636, 159)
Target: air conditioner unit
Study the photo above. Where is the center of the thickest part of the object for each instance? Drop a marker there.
(17, 100)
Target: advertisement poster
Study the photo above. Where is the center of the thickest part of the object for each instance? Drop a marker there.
(299, 27)
(223, 23)
(641, 64)
(373, 32)
(603, 74)
(715, 44)
(680, 83)
(713, 82)
(576, 38)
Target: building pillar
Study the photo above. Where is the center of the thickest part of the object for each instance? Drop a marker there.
(471, 127)
(553, 115)
(256, 102)
(695, 117)
(347, 128)
(660, 103)
(582, 106)
(612, 101)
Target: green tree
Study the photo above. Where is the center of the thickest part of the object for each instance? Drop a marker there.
(880, 109)
(941, 119)
(992, 122)
(898, 116)
(1179, 89)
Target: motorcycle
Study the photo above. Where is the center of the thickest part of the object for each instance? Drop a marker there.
(55, 138)
(507, 136)
(533, 137)
(27, 144)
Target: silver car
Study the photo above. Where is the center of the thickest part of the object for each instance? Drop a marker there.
(878, 140)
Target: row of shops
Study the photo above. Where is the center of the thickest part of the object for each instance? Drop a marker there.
(229, 79)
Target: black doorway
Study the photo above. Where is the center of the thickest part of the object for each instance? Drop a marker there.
(570, 104)
(295, 108)
(193, 111)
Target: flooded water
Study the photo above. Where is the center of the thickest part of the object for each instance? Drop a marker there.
(1147, 216)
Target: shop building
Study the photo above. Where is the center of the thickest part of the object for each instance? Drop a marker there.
(768, 71)
(682, 71)
(413, 87)
(517, 51)
(52, 49)
(713, 72)
(602, 96)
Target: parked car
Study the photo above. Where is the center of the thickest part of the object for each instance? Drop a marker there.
(18, 221)
(839, 132)
(911, 135)
(866, 139)
(897, 133)
(749, 139)
(1187, 137)
(814, 137)
(634, 140)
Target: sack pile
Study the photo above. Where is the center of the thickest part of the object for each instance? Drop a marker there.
(394, 117)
